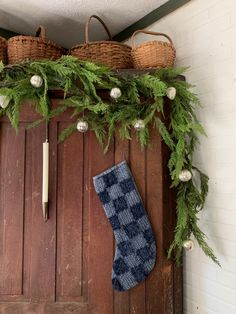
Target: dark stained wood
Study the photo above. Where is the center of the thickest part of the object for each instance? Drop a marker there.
(64, 265)
(100, 236)
(39, 236)
(168, 224)
(69, 217)
(43, 308)
(138, 169)
(178, 289)
(11, 213)
(154, 207)
(86, 204)
(121, 299)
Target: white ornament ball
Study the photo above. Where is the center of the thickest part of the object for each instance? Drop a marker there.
(139, 125)
(36, 81)
(4, 101)
(82, 126)
(188, 245)
(115, 93)
(171, 93)
(185, 175)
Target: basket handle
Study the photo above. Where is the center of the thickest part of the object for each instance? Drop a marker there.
(87, 28)
(41, 32)
(150, 33)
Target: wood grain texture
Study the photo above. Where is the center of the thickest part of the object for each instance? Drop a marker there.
(64, 265)
(178, 289)
(86, 204)
(69, 217)
(154, 205)
(100, 236)
(121, 299)
(43, 308)
(11, 213)
(138, 169)
(39, 236)
(168, 224)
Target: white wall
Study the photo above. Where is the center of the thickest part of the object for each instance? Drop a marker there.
(204, 33)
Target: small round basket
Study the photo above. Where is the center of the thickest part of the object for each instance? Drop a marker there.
(153, 54)
(3, 50)
(111, 53)
(22, 48)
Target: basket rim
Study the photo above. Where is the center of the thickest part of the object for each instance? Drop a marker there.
(33, 38)
(163, 43)
(3, 39)
(108, 42)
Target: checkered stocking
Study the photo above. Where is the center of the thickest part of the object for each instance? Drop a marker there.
(135, 254)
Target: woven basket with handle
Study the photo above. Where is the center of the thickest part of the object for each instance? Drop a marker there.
(153, 54)
(3, 50)
(111, 53)
(22, 48)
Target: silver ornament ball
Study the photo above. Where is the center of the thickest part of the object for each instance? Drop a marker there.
(185, 175)
(139, 125)
(36, 81)
(4, 101)
(82, 126)
(171, 93)
(188, 245)
(115, 93)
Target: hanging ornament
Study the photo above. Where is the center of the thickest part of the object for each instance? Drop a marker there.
(115, 92)
(171, 93)
(188, 245)
(4, 101)
(82, 126)
(139, 125)
(185, 175)
(36, 81)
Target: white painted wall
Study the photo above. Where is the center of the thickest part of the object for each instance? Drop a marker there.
(204, 33)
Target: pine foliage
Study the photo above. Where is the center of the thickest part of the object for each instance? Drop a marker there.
(142, 98)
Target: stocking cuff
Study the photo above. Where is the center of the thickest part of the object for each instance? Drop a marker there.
(112, 176)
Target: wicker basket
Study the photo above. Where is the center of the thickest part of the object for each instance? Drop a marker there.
(153, 54)
(21, 48)
(111, 53)
(3, 50)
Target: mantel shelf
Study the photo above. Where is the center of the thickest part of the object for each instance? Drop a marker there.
(134, 71)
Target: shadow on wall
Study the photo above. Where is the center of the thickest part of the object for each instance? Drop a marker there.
(55, 27)
(63, 30)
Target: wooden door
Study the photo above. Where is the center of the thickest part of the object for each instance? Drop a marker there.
(64, 265)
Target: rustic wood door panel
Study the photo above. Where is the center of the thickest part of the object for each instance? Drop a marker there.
(64, 265)
(12, 168)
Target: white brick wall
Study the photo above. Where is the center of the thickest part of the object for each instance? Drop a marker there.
(204, 33)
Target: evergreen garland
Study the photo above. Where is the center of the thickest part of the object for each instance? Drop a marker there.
(80, 79)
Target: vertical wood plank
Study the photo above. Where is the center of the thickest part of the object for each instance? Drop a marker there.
(11, 209)
(86, 195)
(154, 283)
(178, 290)
(121, 299)
(69, 217)
(39, 236)
(168, 229)
(138, 169)
(100, 237)
(53, 179)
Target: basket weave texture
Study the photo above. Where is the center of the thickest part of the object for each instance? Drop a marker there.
(111, 53)
(153, 54)
(3, 50)
(22, 48)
